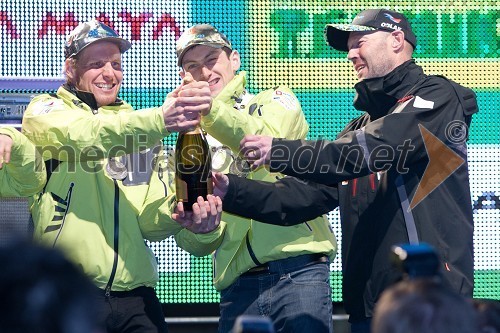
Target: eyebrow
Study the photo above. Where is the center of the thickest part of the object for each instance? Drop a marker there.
(212, 52)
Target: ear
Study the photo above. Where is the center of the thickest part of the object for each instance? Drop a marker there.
(234, 57)
(398, 40)
(182, 73)
(69, 69)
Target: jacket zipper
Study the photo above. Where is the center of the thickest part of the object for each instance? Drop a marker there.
(250, 251)
(115, 243)
(160, 176)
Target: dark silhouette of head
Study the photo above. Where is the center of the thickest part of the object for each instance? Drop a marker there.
(423, 305)
(42, 292)
(488, 314)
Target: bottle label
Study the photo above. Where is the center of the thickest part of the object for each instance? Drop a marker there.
(200, 184)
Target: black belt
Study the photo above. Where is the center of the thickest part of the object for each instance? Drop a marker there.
(287, 265)
(139, 291)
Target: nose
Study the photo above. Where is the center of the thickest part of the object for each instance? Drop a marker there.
(107, 69)
(205, 73)
(352, 54)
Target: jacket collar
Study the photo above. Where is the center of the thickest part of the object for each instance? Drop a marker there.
(87, 97)
(234, 90)
(377, 96)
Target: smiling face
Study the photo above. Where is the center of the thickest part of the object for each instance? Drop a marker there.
(97, 69)
(372, 54)
(212, 65)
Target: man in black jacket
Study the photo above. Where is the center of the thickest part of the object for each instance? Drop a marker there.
(398, 172)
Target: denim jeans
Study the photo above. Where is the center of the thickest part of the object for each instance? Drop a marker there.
(299, 301)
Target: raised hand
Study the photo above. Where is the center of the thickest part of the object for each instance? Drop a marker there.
(195, 94)
(256, 149)
(183, 106)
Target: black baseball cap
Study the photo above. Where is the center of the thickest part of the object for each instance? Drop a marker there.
(336, 35)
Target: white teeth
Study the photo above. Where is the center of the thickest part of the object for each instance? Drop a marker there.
(104, 86)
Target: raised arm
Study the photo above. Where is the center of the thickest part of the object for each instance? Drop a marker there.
(22, 171)
(288, 201)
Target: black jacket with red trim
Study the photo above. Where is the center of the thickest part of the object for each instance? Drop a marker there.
(372, 171)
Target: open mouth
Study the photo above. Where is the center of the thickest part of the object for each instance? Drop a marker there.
(213, 82)
(359, 68)
(105, 86)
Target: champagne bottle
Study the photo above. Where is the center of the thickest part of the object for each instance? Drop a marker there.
(193, 167)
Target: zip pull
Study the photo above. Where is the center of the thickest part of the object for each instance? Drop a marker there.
(70, 191)
(447, 267)
(107, 291)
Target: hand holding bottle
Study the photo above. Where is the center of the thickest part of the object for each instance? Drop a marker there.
(182, 107)
(204, 217)
(197, 93)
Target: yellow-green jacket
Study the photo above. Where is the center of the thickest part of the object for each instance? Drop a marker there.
(235, 113)
(100, 210)
(25, 174)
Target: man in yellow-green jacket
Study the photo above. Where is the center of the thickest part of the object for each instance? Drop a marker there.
(107, 187)
(22, 172)
(260, 269)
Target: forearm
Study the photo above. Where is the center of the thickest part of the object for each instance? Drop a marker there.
(317, 161)
(274, 112)
(66, 133)
(285, 202)
(392, 143)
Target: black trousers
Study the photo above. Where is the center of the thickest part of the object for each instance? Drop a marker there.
(137, 310)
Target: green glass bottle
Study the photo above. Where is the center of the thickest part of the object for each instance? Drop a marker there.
(193, 167)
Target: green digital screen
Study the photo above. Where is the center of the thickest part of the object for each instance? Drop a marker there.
(281, 42)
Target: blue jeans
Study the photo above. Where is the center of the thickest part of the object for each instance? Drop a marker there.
(297, 301)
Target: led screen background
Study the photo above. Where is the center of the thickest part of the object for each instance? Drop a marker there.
(281, 42)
